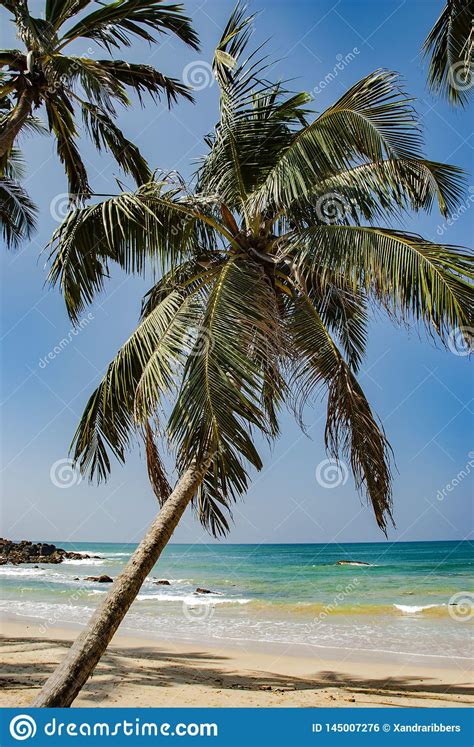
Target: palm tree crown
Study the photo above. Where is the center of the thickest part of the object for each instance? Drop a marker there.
(42, 75)
(268, 272)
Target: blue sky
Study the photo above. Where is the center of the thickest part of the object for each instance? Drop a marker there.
(422, 393)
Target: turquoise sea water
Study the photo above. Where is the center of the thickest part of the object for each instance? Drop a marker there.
(413, 598)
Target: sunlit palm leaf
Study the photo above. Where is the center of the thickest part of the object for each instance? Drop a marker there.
(148, 359)
(412, 278)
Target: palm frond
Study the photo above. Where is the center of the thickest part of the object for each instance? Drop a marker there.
(449, 45)
(373, 121)
(61, 123)
(256, 117)
(220, 395)
(145, 79)
(156, 470)
(129, 229)
(15, 165)
(351, 428)
(412, 278)
(17, 212)
(377, 190)
(59, 11)
(212, 510)
(147, 364)
(117, 23)
(100, 87)
(105, 134)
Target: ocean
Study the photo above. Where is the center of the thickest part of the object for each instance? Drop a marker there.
(410, 598)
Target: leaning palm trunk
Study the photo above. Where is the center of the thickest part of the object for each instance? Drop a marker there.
(65, 683)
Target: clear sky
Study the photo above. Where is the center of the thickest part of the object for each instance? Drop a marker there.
(423, 394)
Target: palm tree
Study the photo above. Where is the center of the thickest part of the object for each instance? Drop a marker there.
(268, 272)
(42, 75)
(450, 45)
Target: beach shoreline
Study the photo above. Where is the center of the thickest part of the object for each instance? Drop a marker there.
(146, 672)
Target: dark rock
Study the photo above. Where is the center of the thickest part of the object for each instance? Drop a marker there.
(35, 552)
(162, 582)
(47, 549)
(99, 579)
(203, 591)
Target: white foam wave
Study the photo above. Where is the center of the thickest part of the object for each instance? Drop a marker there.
(190, 599)
(412, 608)
(15, 571)
(85, 561)
(115, 554)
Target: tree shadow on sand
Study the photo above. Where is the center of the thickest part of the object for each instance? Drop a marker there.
(151, 667)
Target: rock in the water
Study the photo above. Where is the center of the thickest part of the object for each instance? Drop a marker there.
(162, 582)
(351, 562)
(100, 579)
(203, 591)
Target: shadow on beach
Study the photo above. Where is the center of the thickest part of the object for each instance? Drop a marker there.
(154, 676)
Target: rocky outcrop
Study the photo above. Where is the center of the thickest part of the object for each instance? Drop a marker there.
(162, 582)
(100, 579)
(203, 591)
(35, 552)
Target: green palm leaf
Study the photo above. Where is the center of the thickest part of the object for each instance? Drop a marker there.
(17, 212)
(351, 428)
(146, 364)
(374, 120)
(412, 278)
(116, 23)
(450, 47)
(128, 229)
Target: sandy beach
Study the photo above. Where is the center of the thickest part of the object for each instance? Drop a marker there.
(137, 672)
